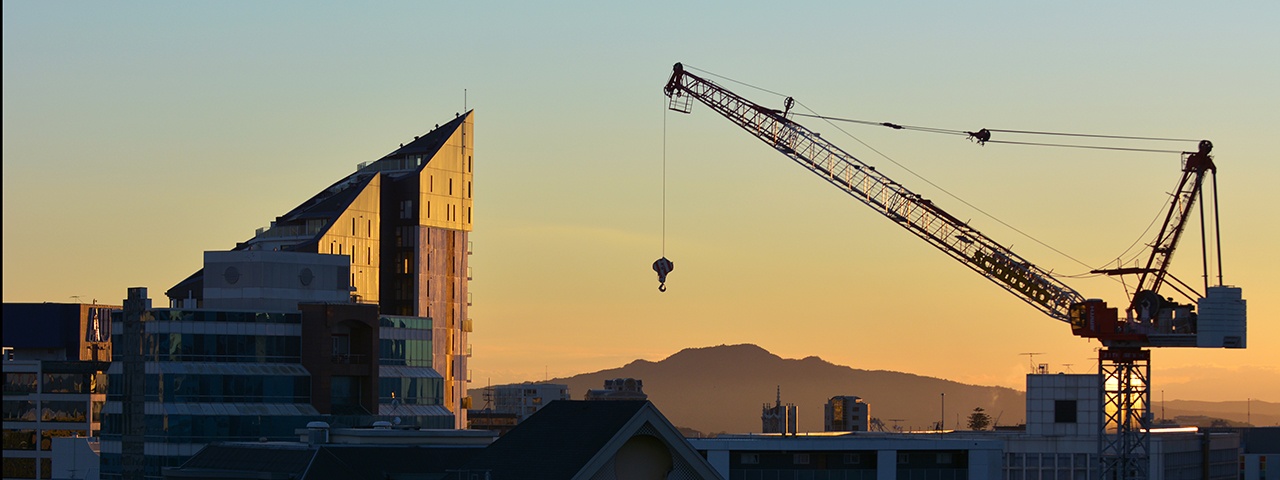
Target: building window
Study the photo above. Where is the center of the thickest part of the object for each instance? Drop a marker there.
(1064, 411)
(450, 186)
(852, 459)
(468, 163)
(750, 458)
(800, 459)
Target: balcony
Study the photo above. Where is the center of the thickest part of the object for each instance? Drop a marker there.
(350, 359)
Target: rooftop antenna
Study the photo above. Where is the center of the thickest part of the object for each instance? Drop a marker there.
(1031, 360)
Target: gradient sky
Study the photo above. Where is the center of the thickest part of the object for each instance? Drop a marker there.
(139, 134)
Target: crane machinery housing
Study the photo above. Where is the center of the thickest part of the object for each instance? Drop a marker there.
(1212, 319)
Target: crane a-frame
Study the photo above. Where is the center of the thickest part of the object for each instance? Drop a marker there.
(1151, 320)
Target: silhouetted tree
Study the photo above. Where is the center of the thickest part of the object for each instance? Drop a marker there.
(979, 420)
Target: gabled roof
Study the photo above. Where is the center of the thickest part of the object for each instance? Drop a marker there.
(575, 439)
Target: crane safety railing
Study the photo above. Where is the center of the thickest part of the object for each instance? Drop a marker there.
(957, 239)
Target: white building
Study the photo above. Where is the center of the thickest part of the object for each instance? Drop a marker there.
(1061, 441)
(525, 399)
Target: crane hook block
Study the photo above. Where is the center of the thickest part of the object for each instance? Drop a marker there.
(663, 267)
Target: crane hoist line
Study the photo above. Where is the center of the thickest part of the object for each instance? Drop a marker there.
(1151, 320)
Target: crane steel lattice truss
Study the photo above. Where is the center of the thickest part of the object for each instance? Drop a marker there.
(861, 181)
(1124, 370)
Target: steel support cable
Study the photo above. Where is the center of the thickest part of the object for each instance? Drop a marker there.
(943, 190)
(1093, 147)
(831, 120)
(1091, 135)
(664, 176)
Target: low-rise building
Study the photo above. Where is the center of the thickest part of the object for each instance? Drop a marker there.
(55, 382)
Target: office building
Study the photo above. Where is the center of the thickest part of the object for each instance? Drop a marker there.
(55, 362)
(846, 413)
(350, 308)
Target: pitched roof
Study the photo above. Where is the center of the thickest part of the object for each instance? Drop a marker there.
(430, 143)
(333, 200)
(569, 439)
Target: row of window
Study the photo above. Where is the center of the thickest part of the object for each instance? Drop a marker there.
(26, 467)
(413, 353)
(209, 428)
(51, 411)
(414, 323)
(410, 391)
(17, 383)
(166, 315)
(1048, 460)
(227, 388)
(205, 347)
(925, 459)
(25, 439)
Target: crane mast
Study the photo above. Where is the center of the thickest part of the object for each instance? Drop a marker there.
(863, 182)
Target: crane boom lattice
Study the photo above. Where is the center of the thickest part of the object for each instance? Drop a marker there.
(863, 182)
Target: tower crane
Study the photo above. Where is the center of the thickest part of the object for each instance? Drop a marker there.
(1151, 320)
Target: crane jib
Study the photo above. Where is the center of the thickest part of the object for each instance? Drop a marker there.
(1017, 277)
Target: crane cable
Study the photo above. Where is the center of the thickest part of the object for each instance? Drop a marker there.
(978, 136)
(663, 266)
(983, 136)
(943, 190)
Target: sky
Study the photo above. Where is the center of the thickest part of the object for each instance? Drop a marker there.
(137, 135)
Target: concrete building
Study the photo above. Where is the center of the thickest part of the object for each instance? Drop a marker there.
(1261, 447)
(863, 456)
(846, 413)
(1061, 440)
(526, 398)
(55, 382)
(619, 389)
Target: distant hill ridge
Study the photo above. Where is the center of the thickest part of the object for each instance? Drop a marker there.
(722, 389)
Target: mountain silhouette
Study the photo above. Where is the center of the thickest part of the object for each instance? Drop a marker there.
(722, 389)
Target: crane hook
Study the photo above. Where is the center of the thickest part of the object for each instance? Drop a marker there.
(663, 267)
